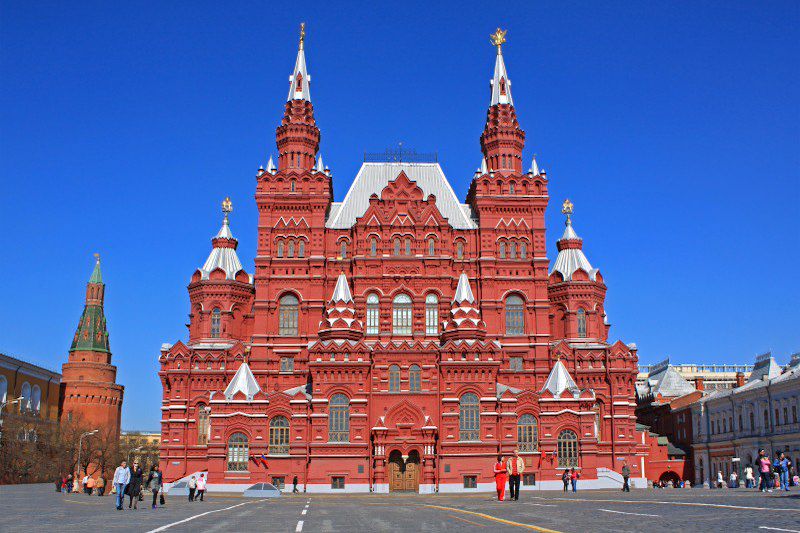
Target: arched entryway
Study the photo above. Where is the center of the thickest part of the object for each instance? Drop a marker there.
(668, 476)
(404, 471)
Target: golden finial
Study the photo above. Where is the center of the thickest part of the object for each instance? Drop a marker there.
(227, 206)
(97, 256)
(302, 34)
(567, 208)
(498, 38)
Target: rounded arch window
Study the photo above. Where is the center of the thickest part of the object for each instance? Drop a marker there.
(414, 379)
(408, 245)
(396, 245)
(502, 250)
(527, 433)
(431, 314)
(36, 398)
(290, 249)
(373, 246)
(288, 311)
(523, 250)
(581, 323)
(280, 248)
(3, 389)
(394, 378)
(373, 314)
(216, 319)
(25, 393)
(431, 246)
(339, 419)
(469, 418)
(301, 248)
(238, 452)
(515, 318)
(401, 315)
(567, 449)
(279, 435)
(203, 425)
(460, 250)
(343, 249)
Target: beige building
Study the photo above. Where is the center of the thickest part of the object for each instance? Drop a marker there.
(39, 390)
(704, 377)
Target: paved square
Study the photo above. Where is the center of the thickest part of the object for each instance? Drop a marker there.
(29, 508)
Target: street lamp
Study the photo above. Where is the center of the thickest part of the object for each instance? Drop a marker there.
(2, 405)
(140, 448)
(80, 442)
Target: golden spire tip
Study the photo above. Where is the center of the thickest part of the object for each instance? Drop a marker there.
(498, 38)
(302, 34)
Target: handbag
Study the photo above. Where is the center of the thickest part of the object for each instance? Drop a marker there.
(161, 499)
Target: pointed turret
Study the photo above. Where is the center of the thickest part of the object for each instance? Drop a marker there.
(502, 140)
(223, 253)
(340, 320)
(570, 250)
(298, 136)
(534, 171)
(320, 164)
(465, 317)
(243, 381)
(92, 334)
(271, 168)
(559, 380)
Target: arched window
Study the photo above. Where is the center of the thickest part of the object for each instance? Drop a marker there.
(292, 185)
(343, 249)
(373, 247)
(36, 399)
(512, 250)
(511, 189)
(279, 436)
(280, 248)
(373, 314)
(401, 315)
(431, 315)
(502, 250)
(203, 426)
(515, 319)
(288, 316)
(527, 433)
(3, 389)
(752, 421)
(408, 246)
(394, 378)
(581, 323)
(290, 249)
(396, 244)
(414, 379)
(523, 250)
(301, 248)
(567, 449)
(238, 453)
(215, 322)
(459, 250)
(25, 393)
(339, 419)
(431, 246)
(468, 418)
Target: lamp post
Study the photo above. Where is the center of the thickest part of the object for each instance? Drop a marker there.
(2, 405)
(80, 442)
(140, 448)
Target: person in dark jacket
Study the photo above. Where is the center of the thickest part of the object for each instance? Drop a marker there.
(135, 485)
(626, 476)
(565, 480)
(155, 481)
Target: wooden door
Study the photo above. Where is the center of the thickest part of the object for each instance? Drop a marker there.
(396, 477)
(411, 478)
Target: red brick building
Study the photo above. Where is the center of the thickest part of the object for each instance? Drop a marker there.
(399, 339)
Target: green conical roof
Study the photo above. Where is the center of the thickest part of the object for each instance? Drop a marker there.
(97, 275)
(92, 334)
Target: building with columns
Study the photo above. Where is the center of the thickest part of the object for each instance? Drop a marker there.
(398, 340)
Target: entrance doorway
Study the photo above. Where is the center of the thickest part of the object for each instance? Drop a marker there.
(404, 472)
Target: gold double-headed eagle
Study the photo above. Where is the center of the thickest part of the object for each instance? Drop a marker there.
(566, 207)
(498, 38)
(227, 205)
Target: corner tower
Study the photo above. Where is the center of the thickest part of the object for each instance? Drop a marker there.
(89, 392)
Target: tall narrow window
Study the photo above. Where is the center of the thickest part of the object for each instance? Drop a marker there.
(431, 246)
(238, 452)
(567, 446)
(25, 393)
(502, 250)
(431, 315)
(215, 322)
(515, 320)
(401, 315)
(280, 248)
(523, 250)
(396, 243)
(408, 246)
(3, 389)
(36, 399)
(581, 323)
(290, 249)
(527, 434)
(459, 250)
(343, 251)
(468, 418)
(373, 247)
(512, 250)
(288, 316)
(279, 436)
(414, 379)
(373, 314)
(292, 185)
(301, 249)
(394, 378)
(203, 427)
(511, 189)
(339, 419)
(752, 421)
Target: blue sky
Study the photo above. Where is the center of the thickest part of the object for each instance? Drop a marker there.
(673, 127)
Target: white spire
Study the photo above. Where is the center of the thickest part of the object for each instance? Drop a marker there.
(501, 85)
(271, 168)
(341, 293)
(534, 167)
(299, 86)
(223, 257)
(484, 169)
(559, 380)
(463, 291)
(320, 164)
(243, 381)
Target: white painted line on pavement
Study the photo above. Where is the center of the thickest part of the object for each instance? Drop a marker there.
(622, 512)
(779, 529)
(689, 504)
(167, 526)
(304, 512)
(299, 527)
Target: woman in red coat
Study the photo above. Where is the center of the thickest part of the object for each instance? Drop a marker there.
(500, 478)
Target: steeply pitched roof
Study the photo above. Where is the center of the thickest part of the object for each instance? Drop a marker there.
(373, 177)
(223, 257)
(97, 275)
(463, 291)
(669, 383)
(559, 380)
(571, 258)
(243, 381)
(341, 293)
(501, 85)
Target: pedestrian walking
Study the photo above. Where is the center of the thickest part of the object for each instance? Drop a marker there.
(155, 482)
(626, 476)
(101, 485)
(515, 466)
(783, 465)
(294, 484)
(135, 485)
(573, 477)
(90, 485)
(76, 484)
(66, 486)
(749, 479)
(734, 480)
(84, 482)
(122, 475)
(765, 477)
(192, 488)
(201, 487)
(500, 475)
(59, 482)
(720, 480)
(565, 480)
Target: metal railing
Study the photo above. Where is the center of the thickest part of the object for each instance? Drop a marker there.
(400, 155)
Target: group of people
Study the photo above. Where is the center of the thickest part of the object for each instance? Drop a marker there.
(772, 473)
(197, 488)
(510, 471)
(88, 485)
(130, 481)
